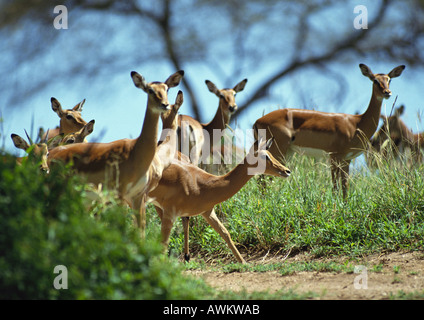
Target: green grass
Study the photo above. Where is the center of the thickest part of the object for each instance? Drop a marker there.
(45, 222)
(384, 211)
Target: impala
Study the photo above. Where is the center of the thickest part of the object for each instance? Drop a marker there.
(395, 131)
(195, 137)
(165, 153)
(186, 190)
(75, 137)
(123, 165)
(36, 151)
(70, 119)
(340, 135)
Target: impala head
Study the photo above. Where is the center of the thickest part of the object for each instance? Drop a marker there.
(80, 135)
(227, 97)
(169, 118)
(36, 151)
(265, 162)
(157, 91)
(393, 127)
(70, 119)
(381, 81)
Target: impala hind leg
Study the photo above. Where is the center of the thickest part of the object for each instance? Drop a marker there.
(213, 220)
(186, 228)
(340, 173)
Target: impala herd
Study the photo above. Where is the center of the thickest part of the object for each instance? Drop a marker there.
(168, 173)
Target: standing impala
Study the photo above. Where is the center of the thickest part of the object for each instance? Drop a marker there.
(165, 154)
(341, 135)
(186, 190)
(123, 165)
(70, 119)
(194, 135)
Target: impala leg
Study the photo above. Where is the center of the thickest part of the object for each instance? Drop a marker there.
(142, 216)
(213, 220)
(344, 171)
(186, 227)
(166, 228)
(139, 205)
(335, 172)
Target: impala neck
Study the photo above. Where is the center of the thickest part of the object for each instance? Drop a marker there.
(145, 146)
(219, 121)
(224, 187)
(370, 118)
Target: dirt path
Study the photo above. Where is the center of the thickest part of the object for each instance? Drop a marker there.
(384, 275)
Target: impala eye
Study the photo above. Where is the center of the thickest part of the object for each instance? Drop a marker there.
(69, 117)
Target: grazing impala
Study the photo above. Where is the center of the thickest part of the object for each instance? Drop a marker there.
(341, 135)
(401, 138)
(123, 165)
(192, 135)
(186, 190)
(70, 119)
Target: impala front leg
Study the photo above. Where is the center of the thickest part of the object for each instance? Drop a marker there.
(139, 204)
(167, 222)
(213, 220)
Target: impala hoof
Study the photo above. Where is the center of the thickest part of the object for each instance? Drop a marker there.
(187, 257)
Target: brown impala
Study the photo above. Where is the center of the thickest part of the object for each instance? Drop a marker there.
(340, 135)
(124, 164)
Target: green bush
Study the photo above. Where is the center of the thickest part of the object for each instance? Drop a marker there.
(44, 223)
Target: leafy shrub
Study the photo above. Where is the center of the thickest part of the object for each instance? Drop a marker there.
(44, 223)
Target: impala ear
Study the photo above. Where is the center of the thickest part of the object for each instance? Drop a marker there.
(240, 86)
(366, 71)
(174, 79)
(212, 88)
(19, 142)
(399, 111)
(88, 128)
(140, 82)
(178, 100)
(78, 106)
(56, 107)
(396, 72)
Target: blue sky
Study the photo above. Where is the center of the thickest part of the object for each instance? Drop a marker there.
(118, 106)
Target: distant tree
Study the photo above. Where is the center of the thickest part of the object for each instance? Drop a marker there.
(231, 37)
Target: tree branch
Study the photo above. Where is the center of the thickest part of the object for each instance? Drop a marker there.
(351, 42)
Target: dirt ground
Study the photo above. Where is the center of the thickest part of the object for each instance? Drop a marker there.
(381, 277)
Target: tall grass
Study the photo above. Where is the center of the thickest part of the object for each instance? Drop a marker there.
(384, 211)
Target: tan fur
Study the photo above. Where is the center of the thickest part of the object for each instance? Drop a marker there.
(124, 164)
(186, 190)
(340, 135)
(189, 126)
